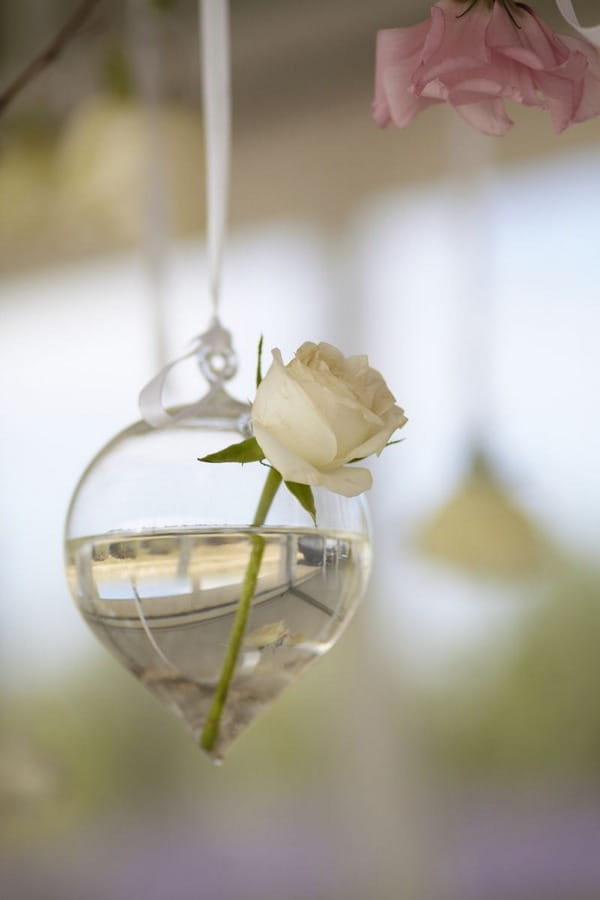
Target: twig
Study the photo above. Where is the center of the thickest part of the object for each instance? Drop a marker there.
(49, 53)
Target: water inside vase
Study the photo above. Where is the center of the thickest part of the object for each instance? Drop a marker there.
(164, 602)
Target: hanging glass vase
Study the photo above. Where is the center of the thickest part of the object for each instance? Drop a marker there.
(158, 545)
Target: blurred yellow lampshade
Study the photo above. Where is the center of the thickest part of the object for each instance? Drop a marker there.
(26, 185)
(117, 159)
(481, 529)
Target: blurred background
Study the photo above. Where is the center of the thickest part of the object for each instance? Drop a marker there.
(449, 748)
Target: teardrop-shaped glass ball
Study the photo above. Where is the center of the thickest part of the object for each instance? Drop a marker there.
(157, 547)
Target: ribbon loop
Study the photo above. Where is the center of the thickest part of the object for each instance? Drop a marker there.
(567, 11)
(218, 363)
(151, 401)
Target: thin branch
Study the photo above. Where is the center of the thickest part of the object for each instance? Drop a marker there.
(49, 53)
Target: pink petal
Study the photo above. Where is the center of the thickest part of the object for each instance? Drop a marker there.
(563, 88)
(527, 44)
(380, 111)
(398, 52)
(473, 90)
(435, 91)
(452, 43)
(518, 80)
(562, 98)
(488, 116)
(435, 34)
(575, 45)
(589, 105)
(403, 104)
(394, 45)
(541, 40)
(504, 38)
(502, 77)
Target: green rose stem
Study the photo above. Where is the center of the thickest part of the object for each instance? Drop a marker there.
(210, 732)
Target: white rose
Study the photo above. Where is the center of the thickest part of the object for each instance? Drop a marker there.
(321, 411)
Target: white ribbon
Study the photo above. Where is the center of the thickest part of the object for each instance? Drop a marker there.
(591, 34)
(151, 402)
(216, 94)
(213, 18)
(216, 358)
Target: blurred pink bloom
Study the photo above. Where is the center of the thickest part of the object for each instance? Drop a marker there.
(496, 50)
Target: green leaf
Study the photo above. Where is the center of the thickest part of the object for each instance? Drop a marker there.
(259, 362)
(304, 495)
(244, 452)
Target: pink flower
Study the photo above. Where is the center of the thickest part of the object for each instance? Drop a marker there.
(474, 58)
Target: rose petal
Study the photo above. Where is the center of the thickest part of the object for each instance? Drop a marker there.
(473, 90)
(589, 105)
(395, 419)
(398, 53)
(543, 40)
(504, 79)
(562, 98)
(291, 466)
(311, 354)
(452, 43)
(488, 116)
(352, 426)
(518, 82)
(350, 418)
(507, 41)
(293, 417)
(348, 481)
(576, 45)
(371, 386)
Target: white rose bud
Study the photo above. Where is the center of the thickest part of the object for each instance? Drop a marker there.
(321, 411)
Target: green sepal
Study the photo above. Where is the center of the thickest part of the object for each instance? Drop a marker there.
(389, 444)
(259, 362)
(244, 452)
(304, 495)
